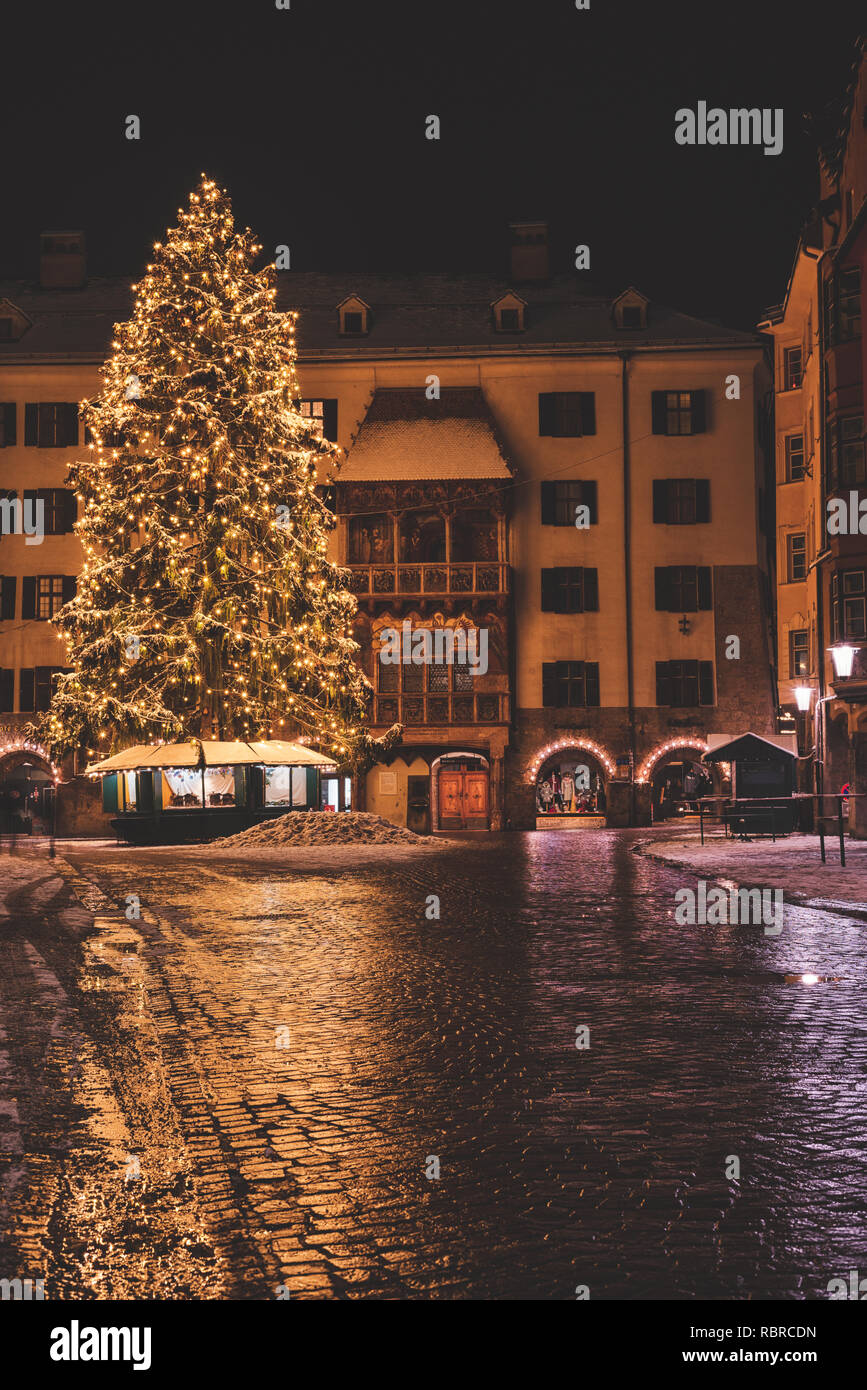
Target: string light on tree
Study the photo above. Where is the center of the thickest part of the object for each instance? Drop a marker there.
(238, 621)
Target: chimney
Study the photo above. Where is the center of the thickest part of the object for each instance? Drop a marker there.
(529, 250)
(62, 260)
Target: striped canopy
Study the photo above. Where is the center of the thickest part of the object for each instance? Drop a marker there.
(211, 753)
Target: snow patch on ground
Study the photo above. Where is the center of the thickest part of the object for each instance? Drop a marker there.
(322, 828)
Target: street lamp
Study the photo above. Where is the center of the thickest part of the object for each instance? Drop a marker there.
(803, 696)
(843, 657)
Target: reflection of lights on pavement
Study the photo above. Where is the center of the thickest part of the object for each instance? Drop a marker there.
(809, 979)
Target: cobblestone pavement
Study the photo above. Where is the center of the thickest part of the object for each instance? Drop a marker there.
(793, 863)
(275, 1055)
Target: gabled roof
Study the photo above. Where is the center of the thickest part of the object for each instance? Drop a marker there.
(420, 313)
(406, 436)
(729, 748)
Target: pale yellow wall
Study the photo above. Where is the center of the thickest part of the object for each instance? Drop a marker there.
(726, 454)
(24, 644)
(392, 806)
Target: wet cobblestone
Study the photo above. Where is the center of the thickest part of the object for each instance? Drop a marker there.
(411, 1039)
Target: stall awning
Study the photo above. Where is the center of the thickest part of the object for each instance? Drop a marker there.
(728, 748)
(212, 753)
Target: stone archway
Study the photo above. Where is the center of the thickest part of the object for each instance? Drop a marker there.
(27, 787)
(569, 784)
(677, 778)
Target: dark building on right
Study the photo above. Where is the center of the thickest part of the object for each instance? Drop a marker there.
(820, 375)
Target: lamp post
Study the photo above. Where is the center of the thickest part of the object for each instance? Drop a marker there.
(843, 656)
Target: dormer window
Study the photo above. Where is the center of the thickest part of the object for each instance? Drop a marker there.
(630, 309)
(353, 317)
(13, 323)
(508, 313)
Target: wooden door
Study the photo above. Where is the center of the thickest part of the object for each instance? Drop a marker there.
(464, 797)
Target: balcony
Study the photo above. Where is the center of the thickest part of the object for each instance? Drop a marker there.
(415, 710)
(490, 578)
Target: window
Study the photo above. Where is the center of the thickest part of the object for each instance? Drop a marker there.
(848, 602)
(36, 688)
(632, 316)
(682, 588)
(793, 368)
(353, 316)
(570, 590)
(7, 424)
(684, 683)
(567, 414)
(847, 462)
(49, 595)
(510, 321)
(322, 414)
(799, 653)
(51, 424)
(42, 596)
(796, 557)
(842, 305)
(570, 684)
(5, 330)
(678, 412)
(794, 458)
(681, 501)
(60, 508)
(560, 500)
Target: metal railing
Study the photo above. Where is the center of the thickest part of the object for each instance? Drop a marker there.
(777, 810)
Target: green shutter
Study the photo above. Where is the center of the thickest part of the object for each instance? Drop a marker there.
(547, 412)
(658, 412)
(549, 498)
(549, 591)
(705, 597)
(662, 588)
(109, 794)
(702, 499)
(590, 587)
(663, 683)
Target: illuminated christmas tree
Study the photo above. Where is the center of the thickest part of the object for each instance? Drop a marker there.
(206, 606)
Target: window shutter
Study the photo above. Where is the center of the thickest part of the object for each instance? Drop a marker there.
(698, 409)
(69, 587)
(547, 412)
(591, 682)
(69, 427)
(27, 691)
(549, 591)
(589, 492)
(705, 597)
(660, 500)
(588, 412)
(8, 585)
(662, 586)
(658, 412)
(28, 596)
(68, 509)
(7, 691)
(31, 424)
(109, 793)
(549, 496)
(663, 683)
(705, 683)
(46, 427)
(591, 590)
(329, 420)
(10, 419)
(549, 683)
(702, 499)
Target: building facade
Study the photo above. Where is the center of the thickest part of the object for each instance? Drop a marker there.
(561, 502)
(820, 371)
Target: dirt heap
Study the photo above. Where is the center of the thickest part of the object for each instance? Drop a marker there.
(321, 828)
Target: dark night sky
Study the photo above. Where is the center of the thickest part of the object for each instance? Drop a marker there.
(314, 119)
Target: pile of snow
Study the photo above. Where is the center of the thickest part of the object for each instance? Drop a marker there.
(321, 828)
